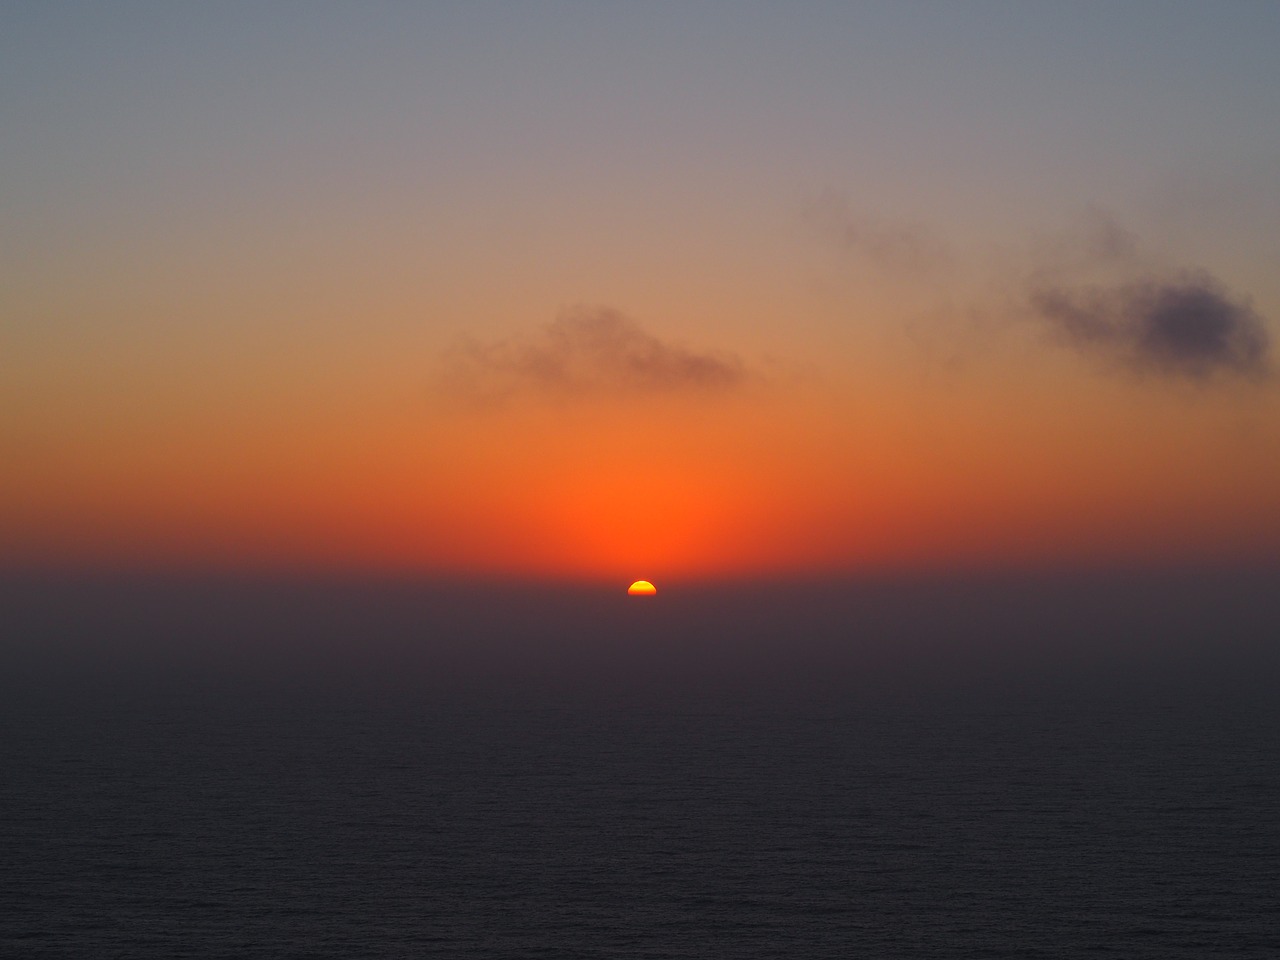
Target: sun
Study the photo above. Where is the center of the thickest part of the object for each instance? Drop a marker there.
(642, 588)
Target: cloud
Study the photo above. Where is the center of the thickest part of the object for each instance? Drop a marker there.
(588, 353)
(1187, 326)
(893, 245)
(1092, 283)
(1093, 244)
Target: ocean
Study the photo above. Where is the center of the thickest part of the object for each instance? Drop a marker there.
(231, 810)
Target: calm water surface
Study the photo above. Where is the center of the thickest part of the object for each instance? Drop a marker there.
(209, 822)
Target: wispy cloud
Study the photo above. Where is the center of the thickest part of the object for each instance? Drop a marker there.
(1185, 326)
(887, 243)
(1094, 244)
(1092, 285)
(588, 353)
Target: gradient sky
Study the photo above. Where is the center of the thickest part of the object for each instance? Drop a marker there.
(665, 290)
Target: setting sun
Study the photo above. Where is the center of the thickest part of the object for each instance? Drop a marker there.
(642, 588)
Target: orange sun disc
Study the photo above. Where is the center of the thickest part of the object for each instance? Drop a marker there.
(642, 588)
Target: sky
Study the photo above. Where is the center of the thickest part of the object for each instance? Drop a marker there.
(595, 291)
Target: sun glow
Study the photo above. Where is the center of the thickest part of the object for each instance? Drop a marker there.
(642, 588)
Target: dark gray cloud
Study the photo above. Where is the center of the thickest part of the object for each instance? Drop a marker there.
(589, 353)
(1187, 326)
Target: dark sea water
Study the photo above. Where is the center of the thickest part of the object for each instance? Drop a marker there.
(179, 815)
